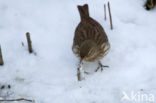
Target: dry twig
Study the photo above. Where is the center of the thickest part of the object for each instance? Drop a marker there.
(29, 42)
(1, 57)
(20, 99)
(105, 11)
(111, 24)
(22, 43)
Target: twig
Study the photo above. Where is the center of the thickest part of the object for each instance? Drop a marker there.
(111, 24)
(1, 57)
(29, 42)
(20, 99)
(105, 11)
(22, 43)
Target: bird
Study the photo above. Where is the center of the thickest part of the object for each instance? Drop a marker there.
(150, 4)
(90, 42)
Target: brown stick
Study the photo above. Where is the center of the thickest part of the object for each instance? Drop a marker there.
(20, 99)
(105, 11)
(29, 42)
(111, 24)
(1, 57)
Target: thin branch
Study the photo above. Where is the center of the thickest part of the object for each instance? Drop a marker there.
(22, 43)
(29, 42)
(111, 24)
(20, 99)
(105, 11)
(1, 57)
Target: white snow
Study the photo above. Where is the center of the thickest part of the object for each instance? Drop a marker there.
(50, 76)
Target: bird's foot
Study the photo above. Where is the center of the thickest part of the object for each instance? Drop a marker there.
(101, 66)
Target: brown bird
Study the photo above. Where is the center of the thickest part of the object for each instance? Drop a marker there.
(90, 41)
(150, 4)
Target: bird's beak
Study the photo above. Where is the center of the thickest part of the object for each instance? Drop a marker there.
(82, 59)
(80, 72)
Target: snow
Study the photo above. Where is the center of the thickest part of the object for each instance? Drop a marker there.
(50, 76)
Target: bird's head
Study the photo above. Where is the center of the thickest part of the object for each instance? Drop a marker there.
(88, 50)
(150, 4)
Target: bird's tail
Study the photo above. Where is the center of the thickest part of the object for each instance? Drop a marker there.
(84, 12)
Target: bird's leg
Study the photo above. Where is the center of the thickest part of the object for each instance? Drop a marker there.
(101, 66)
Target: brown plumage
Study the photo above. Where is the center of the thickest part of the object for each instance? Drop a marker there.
(90, 40)
(150, 4)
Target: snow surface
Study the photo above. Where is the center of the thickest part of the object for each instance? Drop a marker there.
(50, 76)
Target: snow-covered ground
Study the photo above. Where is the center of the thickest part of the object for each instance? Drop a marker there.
(50, 76)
